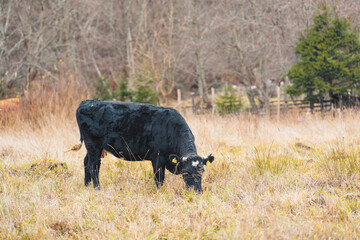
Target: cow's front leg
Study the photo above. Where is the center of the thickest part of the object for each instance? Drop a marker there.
(94, 167)
(159, 174)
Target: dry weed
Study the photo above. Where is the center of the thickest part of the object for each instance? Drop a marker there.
(295, 179)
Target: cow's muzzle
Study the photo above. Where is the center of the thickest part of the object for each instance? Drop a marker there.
(193, 182)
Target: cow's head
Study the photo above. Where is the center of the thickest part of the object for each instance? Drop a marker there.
(191, 168)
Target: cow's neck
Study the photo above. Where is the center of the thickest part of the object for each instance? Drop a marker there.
(187, 145)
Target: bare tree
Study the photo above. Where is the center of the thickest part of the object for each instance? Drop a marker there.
(169, 43)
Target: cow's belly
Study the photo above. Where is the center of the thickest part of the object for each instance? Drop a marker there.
(129, 153)
(132, 147)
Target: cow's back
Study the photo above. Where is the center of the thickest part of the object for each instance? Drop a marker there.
(135, 130)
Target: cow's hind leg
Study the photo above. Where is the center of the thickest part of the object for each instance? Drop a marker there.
(94, 166)
(87, 170)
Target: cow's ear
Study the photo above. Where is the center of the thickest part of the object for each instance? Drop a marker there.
(174, 159)
(176, 162)
(208, 159)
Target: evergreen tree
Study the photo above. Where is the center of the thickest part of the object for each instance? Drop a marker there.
(329, 60)
(229, 102)
(102, 89)
(143, 93)
(123, 93)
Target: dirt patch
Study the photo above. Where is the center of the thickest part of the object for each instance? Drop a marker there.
(48, 167)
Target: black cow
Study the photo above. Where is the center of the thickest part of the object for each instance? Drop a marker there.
(138, 132)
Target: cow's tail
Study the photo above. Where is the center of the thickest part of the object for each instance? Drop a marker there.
(76, 147)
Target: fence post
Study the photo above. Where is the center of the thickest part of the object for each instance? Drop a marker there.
(267, 108)
(278, 102)
(322, 106)
(179, 95)
(193, 101)
(213, 99)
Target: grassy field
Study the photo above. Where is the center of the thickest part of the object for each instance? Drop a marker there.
(295, 179)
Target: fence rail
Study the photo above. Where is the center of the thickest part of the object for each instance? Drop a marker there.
(299, 106)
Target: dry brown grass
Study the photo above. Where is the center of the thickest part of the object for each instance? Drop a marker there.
(295, 179)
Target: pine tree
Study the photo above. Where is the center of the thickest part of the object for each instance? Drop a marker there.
(229, 102)
(102, 89)
(329, 60)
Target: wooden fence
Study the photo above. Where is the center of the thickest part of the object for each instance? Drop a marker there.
(287, 106)
(274, 108)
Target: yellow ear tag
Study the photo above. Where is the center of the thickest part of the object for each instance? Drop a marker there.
(207, 162)
(174, 160)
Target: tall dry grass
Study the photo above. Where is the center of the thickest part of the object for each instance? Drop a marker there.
(298, 178)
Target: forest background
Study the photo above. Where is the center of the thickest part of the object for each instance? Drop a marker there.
(51, 46)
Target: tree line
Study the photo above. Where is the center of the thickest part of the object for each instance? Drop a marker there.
(161, 45)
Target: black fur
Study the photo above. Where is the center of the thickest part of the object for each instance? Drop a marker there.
(138, 132)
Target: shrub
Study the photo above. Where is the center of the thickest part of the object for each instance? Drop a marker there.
(103, 91)
(228, 103)
(145, 95)
(123, 93)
